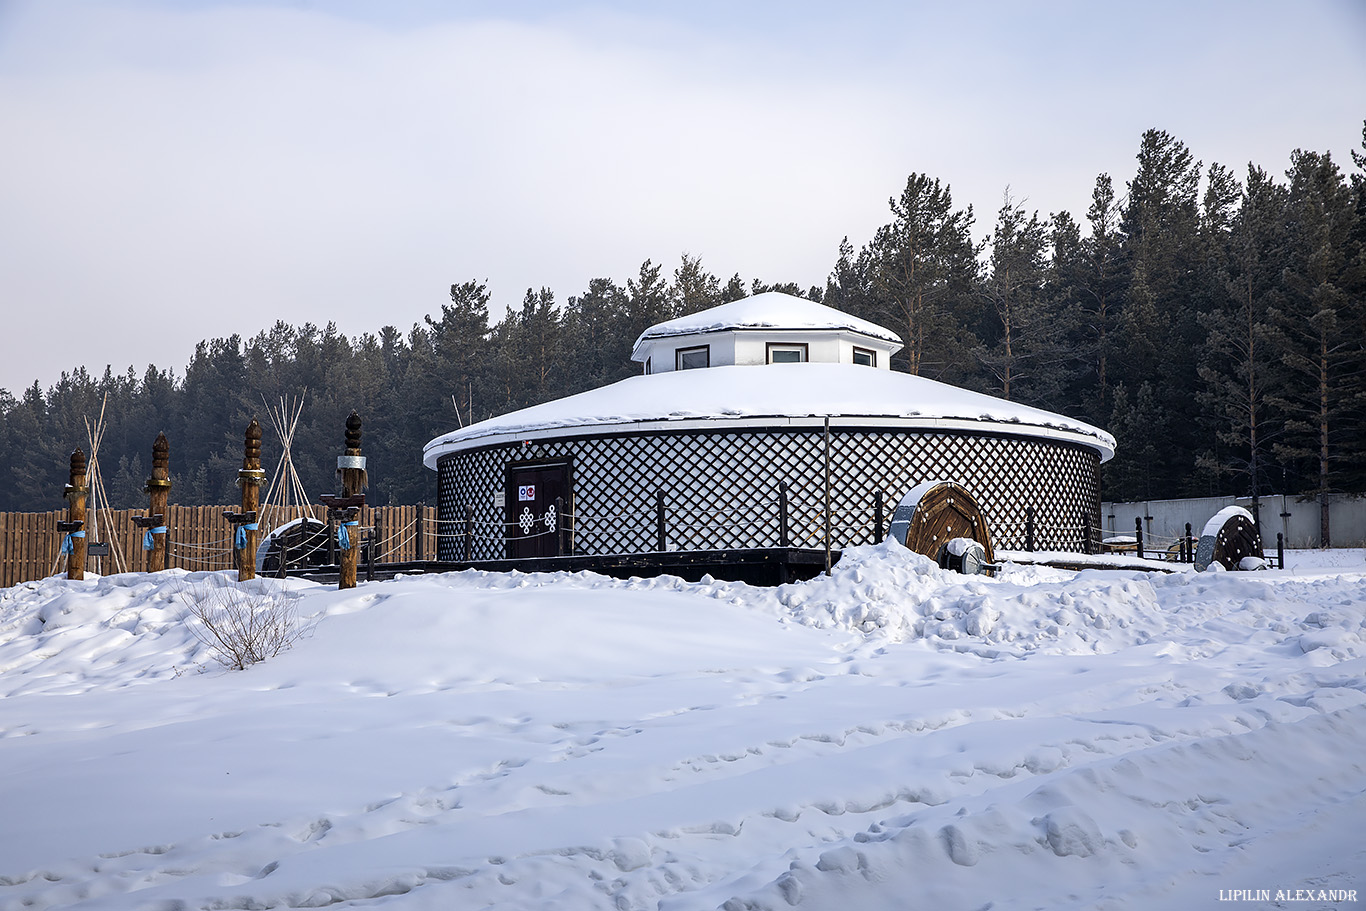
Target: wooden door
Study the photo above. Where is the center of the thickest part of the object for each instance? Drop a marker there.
(532, 519)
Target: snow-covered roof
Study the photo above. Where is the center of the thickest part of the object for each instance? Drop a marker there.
(770, 310)
(774, 395)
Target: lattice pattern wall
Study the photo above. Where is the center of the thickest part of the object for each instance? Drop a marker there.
(721, 487)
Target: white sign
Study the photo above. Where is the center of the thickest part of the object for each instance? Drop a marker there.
(526, 492)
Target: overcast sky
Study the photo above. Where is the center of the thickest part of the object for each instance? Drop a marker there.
(174, 171)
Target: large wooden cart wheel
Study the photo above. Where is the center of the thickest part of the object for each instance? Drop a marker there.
(936, 512)
(1229, 537)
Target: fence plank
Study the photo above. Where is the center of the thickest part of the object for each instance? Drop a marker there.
(24, 524)
(199, 538)
(7, 568)
(7, 573)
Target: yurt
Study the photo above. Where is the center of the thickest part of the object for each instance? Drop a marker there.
(747, 419)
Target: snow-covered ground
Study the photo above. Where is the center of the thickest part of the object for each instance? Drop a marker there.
(891, 737)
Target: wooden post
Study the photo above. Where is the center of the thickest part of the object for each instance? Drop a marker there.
(417, 536)
(370, 554)
(352, 469)
(559, 527)
(1189, 543)
(74, 526)
(660, 537)
(879, 525)
(1029, 529)
(1138, 537)
(249, 479)
(827, 496)
(1280, 550)
(783, 539)
(158, 491)
(469, 534)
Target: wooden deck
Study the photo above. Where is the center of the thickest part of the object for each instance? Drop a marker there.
(757, 566)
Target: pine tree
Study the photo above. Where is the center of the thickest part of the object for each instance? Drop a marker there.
(733, 290)
(1014, 288)
(36, 468)
(458, 340)
(814, 293)
(1158, 328)
(694, 288)
(538, 342)
(1317, 329)
(1063, 384)
(596, 333)
(648, 302)
(1353, 438)
(847, 287)
(504, 364)
(1136, 476)
(126, 487)
(1100, 292)
(921, 270)
(1236, 365)
(1160, 223)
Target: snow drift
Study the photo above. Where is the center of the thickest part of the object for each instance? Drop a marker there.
(892, 736)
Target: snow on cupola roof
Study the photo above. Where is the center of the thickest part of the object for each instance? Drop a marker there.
(772, 310)
(782, 395)
(815, 365)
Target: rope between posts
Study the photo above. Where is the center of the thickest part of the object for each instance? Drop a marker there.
(709, 526)
(461, 536)
(740, 518)
(222, 558)
(205, 546)
(216, 560)
(612, 517)
(388, 544)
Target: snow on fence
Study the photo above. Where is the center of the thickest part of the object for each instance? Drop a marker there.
(200, 538)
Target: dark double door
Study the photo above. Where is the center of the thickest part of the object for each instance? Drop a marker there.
(534, 496)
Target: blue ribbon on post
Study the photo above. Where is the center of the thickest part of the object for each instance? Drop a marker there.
(240, 541)
(344, 536)
(147, 542)
(69, 545)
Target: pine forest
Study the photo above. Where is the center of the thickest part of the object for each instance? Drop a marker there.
(1212, 319)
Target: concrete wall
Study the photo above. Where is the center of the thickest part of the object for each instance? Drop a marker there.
(1296, 518)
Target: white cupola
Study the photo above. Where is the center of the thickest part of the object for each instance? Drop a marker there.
(769, 328)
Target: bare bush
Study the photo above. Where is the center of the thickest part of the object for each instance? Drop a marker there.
(242, 623)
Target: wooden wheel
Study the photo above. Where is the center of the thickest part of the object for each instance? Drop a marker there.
(1228, 537)
(936, 512)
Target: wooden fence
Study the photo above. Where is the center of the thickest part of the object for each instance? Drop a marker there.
(199, 538)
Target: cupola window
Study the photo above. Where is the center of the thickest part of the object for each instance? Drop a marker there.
(782, 353)
(865, 357)
(692, 358)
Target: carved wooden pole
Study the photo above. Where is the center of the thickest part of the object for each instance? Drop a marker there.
(245, 523)
(73, 545)
(159, 493)
(351, 466)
